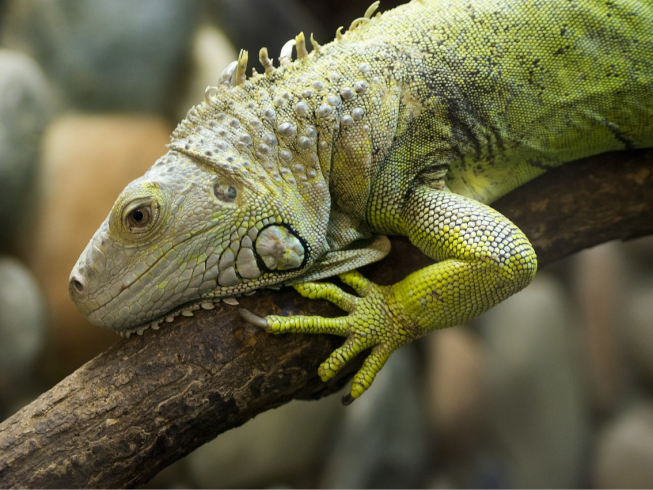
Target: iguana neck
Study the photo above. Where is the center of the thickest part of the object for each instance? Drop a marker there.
(308, 126)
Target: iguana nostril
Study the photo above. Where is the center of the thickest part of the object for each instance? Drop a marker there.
(77, 284)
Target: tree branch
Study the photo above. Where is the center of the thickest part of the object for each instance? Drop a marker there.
(148, 401)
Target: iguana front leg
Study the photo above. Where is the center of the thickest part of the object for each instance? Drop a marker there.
(483, 258)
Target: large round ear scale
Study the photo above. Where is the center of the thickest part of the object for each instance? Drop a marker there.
(279, 248)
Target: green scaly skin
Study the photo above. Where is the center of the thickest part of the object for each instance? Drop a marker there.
(410, 123)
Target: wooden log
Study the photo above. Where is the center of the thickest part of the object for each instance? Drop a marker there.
(150, 400)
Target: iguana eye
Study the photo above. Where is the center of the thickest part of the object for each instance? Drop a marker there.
(140, 213)
(225, 193)
(139, 218)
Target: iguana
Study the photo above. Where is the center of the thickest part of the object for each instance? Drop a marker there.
(409, 123)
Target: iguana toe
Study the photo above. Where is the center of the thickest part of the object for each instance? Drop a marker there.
(372, 323)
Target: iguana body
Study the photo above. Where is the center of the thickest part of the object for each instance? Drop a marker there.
(406, 125)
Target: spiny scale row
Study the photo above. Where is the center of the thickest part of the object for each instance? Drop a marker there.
(235, 74)
(205, 304)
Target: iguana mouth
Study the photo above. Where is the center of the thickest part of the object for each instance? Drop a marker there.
(185, 309)
(76, 281)
(275, 258)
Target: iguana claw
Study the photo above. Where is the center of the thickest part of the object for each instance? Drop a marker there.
(347, 399)
(254, 319)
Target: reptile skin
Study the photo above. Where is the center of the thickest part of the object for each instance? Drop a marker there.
(409, 123)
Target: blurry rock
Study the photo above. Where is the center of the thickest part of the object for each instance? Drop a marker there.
(640, 253)
(599, 287)
(457, 379)
(86, 162)
(211, 54)
(174, 476)
(22, 324)
(538, 413)
(383, 441)
(441, 481)
(625, 450)
(279, 447)
(24, 112)
(107, 56)
(639, 327)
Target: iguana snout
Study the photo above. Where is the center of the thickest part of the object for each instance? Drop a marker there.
(185, 235)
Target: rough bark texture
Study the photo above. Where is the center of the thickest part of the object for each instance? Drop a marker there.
(150, 400)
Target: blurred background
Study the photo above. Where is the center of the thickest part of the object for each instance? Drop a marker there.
(553, 388)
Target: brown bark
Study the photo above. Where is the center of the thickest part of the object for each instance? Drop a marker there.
(148, 401)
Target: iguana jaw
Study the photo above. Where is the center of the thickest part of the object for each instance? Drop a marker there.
(210, 236)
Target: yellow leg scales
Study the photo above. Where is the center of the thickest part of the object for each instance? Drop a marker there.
(373, 322)
(482, 258)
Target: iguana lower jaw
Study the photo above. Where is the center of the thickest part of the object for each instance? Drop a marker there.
(183, 236)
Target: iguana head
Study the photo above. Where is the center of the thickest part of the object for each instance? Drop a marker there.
(239, 203)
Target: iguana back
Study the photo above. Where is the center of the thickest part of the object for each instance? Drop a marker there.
(515, 87)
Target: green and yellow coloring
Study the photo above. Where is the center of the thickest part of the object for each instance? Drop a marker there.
(409, 123)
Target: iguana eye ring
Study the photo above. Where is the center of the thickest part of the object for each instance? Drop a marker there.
(225, 192)
(139, 218)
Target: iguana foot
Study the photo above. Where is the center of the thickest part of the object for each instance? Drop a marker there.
(374, 321)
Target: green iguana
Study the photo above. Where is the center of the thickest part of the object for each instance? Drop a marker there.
(409, 123)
